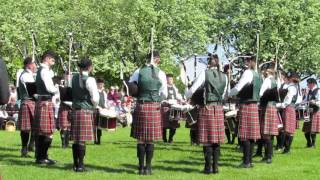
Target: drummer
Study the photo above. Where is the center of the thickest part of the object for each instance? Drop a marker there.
(211, 115)
(269, 114)
(103, 103)
(173, 98)
(313, 126)
(289, 113)
(248, 89)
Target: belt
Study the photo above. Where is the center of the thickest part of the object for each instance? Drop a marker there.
(214, 103)
(44, 98)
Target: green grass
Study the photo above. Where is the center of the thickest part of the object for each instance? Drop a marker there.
(116, 159)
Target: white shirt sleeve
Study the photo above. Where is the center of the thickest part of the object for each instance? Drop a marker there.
(91, 86)
(135, 76)
(199, 82)
(46, 76)
(226, 90)
(246, 78)
(318, 98)
(265, 86)
(292, 91)
(163, 88)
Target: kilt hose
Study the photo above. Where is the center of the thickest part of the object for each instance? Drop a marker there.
(269, 120)
(147, 125)
(81, 125)
(26, 115)
(165, 118)
(249, 126)
(211, 124)
(44, 123)
(289, 120)
(64, 117)
(316, 122)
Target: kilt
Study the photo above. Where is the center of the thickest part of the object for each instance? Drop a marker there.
(81, 125)
(289, 120)
(64, 117)
(165, 118)
(316, 122)
(307, 127)
(44, 122)
(249, 126)
(211, 124)
(146, 125)
(26, 115)
(269, 120)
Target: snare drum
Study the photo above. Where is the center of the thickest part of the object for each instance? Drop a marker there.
(107, 119)
(230, 120)
(176, 111)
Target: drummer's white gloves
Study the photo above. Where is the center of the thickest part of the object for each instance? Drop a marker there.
(280, 105)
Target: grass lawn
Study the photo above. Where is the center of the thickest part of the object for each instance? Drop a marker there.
(116, 158)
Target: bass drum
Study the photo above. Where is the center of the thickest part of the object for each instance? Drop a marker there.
(4, 86)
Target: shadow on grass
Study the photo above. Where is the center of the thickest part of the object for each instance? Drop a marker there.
(182, 162)
(163, 168)
(67, 167)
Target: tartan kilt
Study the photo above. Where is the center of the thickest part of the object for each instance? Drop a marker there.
(269, 120)
(165, 118)
(44, 122)
(26, 115)
(307, 127)
(289, 120)
(249, 126)
(81, 125)
(147, 125)
(211, 124)
(64, 117)
(316, 122)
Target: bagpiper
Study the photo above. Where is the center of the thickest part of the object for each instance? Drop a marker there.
(85, 98)
(146, 125)
(248, 89)
(44, 124)
(26, 112)
(211, 114)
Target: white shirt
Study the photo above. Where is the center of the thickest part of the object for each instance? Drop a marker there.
(106, 103)
(178, 95)
(317, 100)
(91, 86)
(162, 77)
(46, 75)
(292, 91)
(267, 83)
(199, 82)
(27, 77)
(246, 78)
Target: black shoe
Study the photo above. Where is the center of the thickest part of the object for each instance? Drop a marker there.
(30, 148)
(243, 165)
(269, 161)
(80, 169)
(147, 171)
(207, 171)
(215, 170)
(264, 159)
(170, 141)
(46, 162)
(257, 155)
(141, 171)
(24, 152)
(286, 152)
